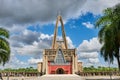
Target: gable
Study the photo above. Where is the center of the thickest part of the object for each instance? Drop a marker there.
(59, 57)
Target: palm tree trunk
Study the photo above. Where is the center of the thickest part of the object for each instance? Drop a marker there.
(119, 60)
(118, 63)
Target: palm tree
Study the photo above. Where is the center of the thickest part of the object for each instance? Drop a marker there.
(109, 34)
(4, 46)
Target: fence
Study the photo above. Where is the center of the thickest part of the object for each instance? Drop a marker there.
(114, 73)
(30, 74)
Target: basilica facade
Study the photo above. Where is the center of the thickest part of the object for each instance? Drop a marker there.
(59, 59)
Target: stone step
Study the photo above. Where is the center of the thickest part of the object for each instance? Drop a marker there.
(61, 77)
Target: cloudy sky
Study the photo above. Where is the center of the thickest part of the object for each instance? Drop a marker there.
(31, 24)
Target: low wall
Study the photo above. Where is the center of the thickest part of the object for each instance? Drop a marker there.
(19, 74)
(30, 74)
(114, 73)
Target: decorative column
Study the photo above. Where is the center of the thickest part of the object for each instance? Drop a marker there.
(73, 60)
(46, 64)
(44, 61)
(76, 64)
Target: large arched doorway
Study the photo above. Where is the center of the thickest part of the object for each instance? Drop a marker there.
(59, 71)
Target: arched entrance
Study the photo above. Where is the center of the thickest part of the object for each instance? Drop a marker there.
(59, 71)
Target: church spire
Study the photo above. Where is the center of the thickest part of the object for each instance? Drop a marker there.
(64, 42)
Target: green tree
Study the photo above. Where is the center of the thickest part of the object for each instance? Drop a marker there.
(4, 46)
(109, 34)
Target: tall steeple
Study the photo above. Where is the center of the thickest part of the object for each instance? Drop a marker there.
(55, 43)
(59, 59)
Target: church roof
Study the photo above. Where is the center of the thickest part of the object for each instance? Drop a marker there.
(62, 54)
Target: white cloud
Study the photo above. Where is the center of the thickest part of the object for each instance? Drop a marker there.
(15, 28)
(45, 11)
(87, 55)
(93, 60)
(29, 49)
(31, 44)
(24, 37)
(97, 6)
(13, 62)
(88, 25)
(70, 44)
(89, 58)
(38, 47)
(32, 11)
(88, 52)
(34, 61)
(89, 45)
(36, 43)
(44, 36)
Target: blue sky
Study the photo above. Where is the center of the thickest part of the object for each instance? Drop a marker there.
(31, 24)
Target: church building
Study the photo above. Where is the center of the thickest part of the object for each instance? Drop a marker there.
(59, 59)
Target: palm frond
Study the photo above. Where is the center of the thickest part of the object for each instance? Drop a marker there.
(4, 56)
(109, 34)
(4, 32)
(4, 44)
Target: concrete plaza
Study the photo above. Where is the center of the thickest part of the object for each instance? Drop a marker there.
(64, 77)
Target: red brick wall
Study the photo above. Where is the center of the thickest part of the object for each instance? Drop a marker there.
(52, 68)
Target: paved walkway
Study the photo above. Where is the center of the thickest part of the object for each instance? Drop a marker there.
(61, 77)
(102, 78)
(64, 77)
(48, 77)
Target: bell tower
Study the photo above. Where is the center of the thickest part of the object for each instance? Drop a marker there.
(63, 43)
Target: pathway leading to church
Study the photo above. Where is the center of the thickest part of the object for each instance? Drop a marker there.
(63, 77)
